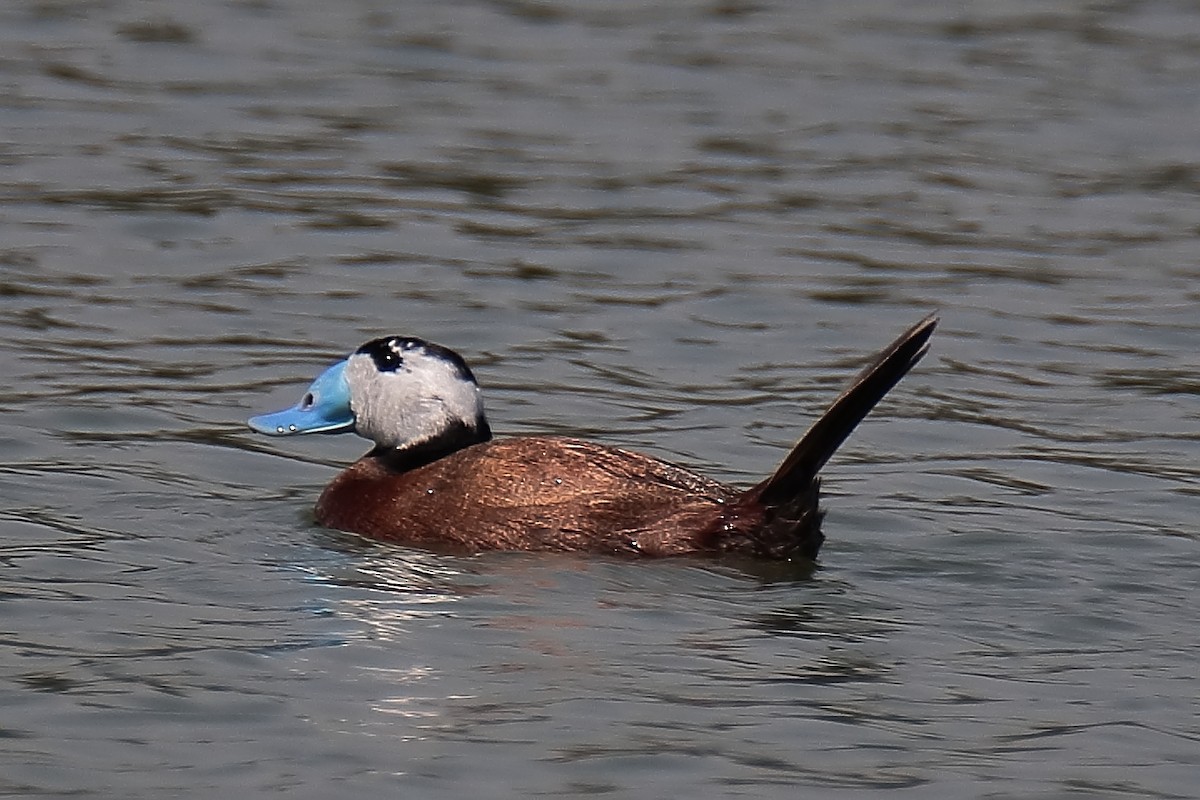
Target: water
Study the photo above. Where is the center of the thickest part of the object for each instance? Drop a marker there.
(677, 227)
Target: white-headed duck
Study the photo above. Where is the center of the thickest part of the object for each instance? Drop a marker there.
(437, 478)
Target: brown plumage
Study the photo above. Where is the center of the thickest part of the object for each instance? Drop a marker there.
(469, 493)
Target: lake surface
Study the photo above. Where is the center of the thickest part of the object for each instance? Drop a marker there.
(673, 226)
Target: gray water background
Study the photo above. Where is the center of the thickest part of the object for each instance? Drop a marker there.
(675, 226)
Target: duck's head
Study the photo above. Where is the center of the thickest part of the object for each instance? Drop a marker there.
(401, 393)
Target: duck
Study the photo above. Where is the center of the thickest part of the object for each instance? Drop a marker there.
(437, 479)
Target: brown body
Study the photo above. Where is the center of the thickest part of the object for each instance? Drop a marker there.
(541, 493)
(561, 494)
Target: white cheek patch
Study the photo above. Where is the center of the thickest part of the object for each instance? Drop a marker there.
(422, 398)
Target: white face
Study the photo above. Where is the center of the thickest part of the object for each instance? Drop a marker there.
(404, 392)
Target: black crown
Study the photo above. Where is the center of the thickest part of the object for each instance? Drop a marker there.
(388, 354)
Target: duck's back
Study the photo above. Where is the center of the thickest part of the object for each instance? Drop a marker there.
(531, 493)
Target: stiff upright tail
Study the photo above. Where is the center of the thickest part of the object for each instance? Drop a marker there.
(793, 520)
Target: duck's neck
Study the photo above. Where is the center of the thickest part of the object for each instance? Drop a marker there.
(457, 436)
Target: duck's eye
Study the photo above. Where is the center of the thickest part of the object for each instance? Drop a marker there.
(307, 401)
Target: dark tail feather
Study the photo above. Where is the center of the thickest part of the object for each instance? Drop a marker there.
(793, 527)
(827, 434)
